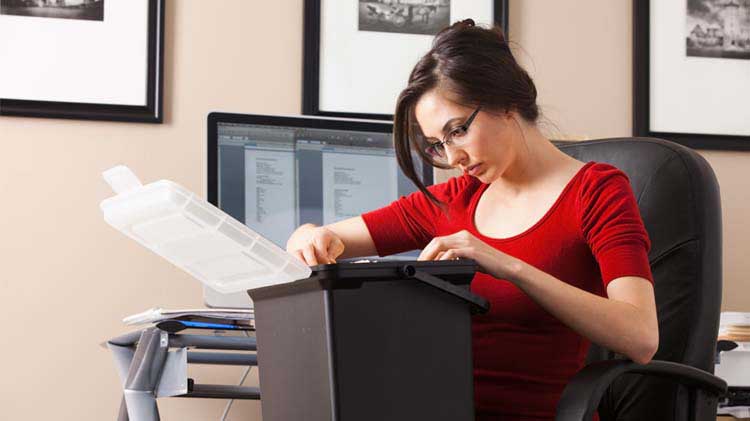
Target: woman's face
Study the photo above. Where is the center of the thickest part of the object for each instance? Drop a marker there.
(485, 151)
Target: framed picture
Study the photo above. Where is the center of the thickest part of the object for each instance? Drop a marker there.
(358, 53)
(82, 59)
(692, 72)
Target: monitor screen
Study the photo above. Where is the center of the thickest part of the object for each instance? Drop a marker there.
(275, 173)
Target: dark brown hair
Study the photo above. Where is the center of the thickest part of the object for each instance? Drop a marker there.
(475, 67)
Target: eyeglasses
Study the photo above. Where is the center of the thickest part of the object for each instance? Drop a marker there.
(454, 137)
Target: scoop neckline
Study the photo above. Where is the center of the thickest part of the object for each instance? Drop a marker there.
(483, 188)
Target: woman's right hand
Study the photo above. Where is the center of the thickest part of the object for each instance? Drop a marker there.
(315, 245)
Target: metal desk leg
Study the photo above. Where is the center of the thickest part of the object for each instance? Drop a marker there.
(143, 375)
(149, 370)
(122, 414)
(123, 354)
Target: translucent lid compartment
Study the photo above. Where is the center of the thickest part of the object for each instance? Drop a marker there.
(196, 236)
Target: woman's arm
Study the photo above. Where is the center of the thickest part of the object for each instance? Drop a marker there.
(344, 239)
(406, 224)
(625, 322)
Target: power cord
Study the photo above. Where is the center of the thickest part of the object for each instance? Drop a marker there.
(242, 380)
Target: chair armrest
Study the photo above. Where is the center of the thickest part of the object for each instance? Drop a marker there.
(583, 393)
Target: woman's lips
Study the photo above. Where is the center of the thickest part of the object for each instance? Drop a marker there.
(473, 170)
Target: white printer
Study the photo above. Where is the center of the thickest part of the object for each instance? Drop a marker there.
(733, 362)
(733, 365)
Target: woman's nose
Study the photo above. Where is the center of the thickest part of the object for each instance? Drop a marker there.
(455, 156)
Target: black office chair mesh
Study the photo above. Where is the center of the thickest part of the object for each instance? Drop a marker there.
(678, 197)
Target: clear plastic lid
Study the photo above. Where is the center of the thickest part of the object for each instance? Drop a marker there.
(196, 236)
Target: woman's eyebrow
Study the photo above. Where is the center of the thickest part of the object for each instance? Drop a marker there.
(446, 126)
(448, 123)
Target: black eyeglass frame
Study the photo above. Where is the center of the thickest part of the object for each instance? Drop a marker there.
(433, 149)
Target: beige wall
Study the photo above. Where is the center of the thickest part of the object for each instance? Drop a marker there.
(68, 279)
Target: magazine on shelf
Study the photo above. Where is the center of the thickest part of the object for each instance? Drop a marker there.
(244, 316)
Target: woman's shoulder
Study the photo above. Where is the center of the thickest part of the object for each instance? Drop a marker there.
(601, 181)
(595, 175)
(454, 187)
(596, 170)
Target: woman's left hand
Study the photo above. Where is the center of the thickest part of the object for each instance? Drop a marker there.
(464, 245)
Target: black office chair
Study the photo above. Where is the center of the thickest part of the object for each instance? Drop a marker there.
(678, 197)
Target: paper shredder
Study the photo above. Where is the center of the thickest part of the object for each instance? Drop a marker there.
(368, 341)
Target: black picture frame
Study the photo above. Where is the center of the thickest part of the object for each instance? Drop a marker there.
(150, 112)
(641, 93)
(311, 61)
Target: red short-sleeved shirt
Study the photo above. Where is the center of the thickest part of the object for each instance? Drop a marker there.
(593, 234)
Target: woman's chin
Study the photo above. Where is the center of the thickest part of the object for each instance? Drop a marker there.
(484, 176)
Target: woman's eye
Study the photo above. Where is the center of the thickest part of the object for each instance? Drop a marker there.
(435, 146)
(458, 132)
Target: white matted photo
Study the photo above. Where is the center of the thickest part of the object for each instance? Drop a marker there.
(693, 72)
(358, 54)
(89, 59)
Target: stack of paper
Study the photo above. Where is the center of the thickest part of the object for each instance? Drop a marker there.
(158, 314)
(734, 326)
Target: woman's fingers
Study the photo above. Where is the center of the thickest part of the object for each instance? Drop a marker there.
(298, 254)
(321, 249)
(439, 245)
(432, 249)
(447, 255)
(454, 254)
(451, 254)
(435, 249)
(309, 253)
(335, 248)
(320, 246)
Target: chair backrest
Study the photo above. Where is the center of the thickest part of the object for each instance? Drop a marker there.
(678, 197)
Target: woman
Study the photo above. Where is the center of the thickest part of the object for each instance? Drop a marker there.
(560, 243)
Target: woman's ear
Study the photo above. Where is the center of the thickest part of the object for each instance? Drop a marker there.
(510, 116)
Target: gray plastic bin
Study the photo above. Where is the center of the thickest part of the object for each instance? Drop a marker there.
(368, 341)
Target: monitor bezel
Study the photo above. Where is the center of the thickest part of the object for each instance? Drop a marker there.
(313, 122)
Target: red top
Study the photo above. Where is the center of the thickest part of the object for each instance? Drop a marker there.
(592, 234)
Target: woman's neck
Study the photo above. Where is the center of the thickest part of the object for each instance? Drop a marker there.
(536, 160)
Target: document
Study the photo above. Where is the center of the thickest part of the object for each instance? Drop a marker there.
(270, 200)
(356, 183)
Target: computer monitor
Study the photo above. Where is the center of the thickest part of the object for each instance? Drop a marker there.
(274, 173)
